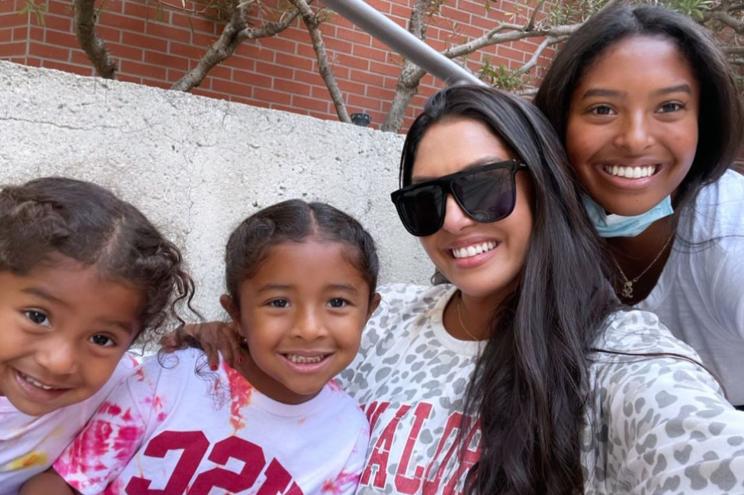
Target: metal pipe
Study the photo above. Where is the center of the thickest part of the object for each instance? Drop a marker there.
(403, 42)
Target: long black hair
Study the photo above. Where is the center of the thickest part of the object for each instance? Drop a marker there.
(531, 381)
(720, 120)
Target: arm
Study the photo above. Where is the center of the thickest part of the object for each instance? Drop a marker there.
(670, 428)
(46, 483)
(215, 338)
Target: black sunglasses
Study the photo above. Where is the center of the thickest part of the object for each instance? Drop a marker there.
(486, 194)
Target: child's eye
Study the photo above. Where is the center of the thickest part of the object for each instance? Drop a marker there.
(338, 302)
(38, 317)
(671, 106)
(279, 303)
(103, 340)
(601, 110)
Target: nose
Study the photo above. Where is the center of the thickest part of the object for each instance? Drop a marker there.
(635, 134)
(58, 357)
(454, 218)
(309, 324)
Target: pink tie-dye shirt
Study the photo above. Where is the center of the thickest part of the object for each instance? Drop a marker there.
(180, 428)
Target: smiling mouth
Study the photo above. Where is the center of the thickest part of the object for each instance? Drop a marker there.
(36, 383)
(300, 359)
(473, 250)
(630, 172)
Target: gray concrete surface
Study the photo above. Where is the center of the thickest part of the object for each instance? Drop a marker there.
(197, 166)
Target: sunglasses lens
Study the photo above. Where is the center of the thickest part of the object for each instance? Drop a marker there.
(420, 209)
(486, 195)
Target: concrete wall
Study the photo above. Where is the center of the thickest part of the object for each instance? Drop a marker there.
(197, 166)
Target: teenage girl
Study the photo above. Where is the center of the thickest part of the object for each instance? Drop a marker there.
(82, 274)
(649, 113)
(300, 286)
(519, 376)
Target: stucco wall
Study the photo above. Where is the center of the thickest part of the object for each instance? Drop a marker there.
(197, 166)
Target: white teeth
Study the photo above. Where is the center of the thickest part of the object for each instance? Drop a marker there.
(473, 250)
(36, 383)
(630, 172)
(295, 358)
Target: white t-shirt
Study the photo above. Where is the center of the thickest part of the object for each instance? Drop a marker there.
(29, 444)
(700, 294)
(653, 422)
(176, 425)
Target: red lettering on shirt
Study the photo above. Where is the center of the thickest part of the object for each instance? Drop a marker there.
(194, 445)
(410, 484)
(381, 451)
(231, 448)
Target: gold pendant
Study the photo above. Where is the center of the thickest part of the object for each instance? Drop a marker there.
(627, 291)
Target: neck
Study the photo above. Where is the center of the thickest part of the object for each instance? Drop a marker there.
(644, 255)
(467, 317)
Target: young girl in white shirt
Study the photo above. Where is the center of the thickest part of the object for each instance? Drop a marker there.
(301, 281)
(82, 275)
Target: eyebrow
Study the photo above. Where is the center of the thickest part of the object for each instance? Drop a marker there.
(344, 287)
(475, 164)
(684, 88)
(42, 294)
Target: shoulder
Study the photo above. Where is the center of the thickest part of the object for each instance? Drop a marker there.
(406, 300)
(716, 211)
(637, 331)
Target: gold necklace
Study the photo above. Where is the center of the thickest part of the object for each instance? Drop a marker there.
(459, 303)
(627, 291)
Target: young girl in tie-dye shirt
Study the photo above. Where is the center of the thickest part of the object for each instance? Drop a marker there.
(82, 274)
(301, 284)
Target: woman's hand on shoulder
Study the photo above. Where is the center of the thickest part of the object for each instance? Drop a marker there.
(46, 483)
(215, 338)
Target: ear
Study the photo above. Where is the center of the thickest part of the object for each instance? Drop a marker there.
(373, 304)
(232, 309)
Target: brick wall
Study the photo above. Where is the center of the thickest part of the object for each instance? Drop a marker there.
(155, 44)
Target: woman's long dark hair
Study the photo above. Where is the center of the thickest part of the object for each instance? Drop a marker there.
(720, 121)
(530, 383)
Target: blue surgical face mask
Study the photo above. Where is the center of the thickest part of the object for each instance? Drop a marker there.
(611, 225)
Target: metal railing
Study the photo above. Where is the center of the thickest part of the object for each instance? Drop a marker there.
(403, 42)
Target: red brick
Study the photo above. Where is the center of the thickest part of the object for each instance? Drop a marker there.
(274, 70)
(293, 87)
(252, 78)
(129, 78)
(75, 69)
(279, 44)
(43, 50)
(125, 51)
(301, 63)
(6, 35)
(386, 69)
(311, 104)
(230, 87)
(12, 49)
(364, 102)
(351, 87)
(354, 62)
(367, 78)
(60, 23)
(33, 33)
(268, 95)
(455, 14)
(58, 7)
(121, 21)
(166, 60)
(142, 41)
(60, 39)
(187, 51)
(354, 36)
(144, 70)
(365, 52)
(168, 32)
(194, 23)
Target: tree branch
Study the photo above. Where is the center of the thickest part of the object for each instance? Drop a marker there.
(92, 45)
(234, 33)
(312, 23)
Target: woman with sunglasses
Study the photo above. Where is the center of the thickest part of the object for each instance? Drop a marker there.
(518, 375)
